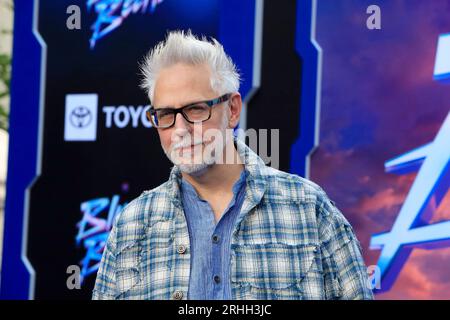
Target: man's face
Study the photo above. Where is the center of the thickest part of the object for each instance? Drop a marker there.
(185, 143)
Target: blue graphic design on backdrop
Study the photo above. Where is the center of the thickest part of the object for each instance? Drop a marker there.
(411, 228)
(93, 230)
(310, 52)
(112, 13)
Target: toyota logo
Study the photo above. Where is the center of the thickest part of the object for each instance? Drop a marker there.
(80, 117)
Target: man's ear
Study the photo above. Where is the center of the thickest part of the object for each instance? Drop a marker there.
(235, 105)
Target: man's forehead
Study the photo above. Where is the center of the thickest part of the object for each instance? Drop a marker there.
(183, 102)
(181, 84)
(177, 90)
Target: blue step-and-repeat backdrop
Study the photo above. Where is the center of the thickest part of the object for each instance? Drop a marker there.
(359, 92)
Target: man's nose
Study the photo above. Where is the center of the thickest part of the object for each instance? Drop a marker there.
(181, 124)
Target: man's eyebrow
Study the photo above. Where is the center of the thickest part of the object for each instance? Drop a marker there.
(183, 105)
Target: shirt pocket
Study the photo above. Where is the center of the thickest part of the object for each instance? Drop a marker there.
(160, 235)
(276, 271)
(128, 274)
(158, 258)
(158, 246)
(143, 266)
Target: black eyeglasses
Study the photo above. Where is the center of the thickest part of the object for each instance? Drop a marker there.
(193, 112)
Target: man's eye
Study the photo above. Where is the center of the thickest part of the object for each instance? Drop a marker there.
(163, 113)
(196, 108)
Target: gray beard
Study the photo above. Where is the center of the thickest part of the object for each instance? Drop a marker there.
(208, 161)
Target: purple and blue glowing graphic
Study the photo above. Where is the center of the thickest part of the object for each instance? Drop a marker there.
(411, 228)
(93, 230)
(112, 13)
(442, 65)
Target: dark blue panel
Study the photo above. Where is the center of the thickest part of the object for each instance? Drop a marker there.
(23, 132)
(310, 56)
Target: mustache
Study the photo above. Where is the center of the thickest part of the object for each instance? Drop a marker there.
(187, 143)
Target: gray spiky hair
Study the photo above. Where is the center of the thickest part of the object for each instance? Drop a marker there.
(184, 47)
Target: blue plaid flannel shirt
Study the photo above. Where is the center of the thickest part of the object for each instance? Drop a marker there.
(289, 242)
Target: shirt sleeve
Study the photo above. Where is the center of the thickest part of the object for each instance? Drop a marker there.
(105, 284)
(345, 274)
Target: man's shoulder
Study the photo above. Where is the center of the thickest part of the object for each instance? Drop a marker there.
(291, 187)
(311, 202)
(139, 209)
(287, 187)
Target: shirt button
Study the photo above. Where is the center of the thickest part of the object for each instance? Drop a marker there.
(217, 279)
(181, 249)
(178, 295)
(215, 238)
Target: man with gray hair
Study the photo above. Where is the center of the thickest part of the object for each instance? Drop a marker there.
(224, 225)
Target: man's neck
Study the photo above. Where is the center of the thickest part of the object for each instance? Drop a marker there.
(218, 178)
